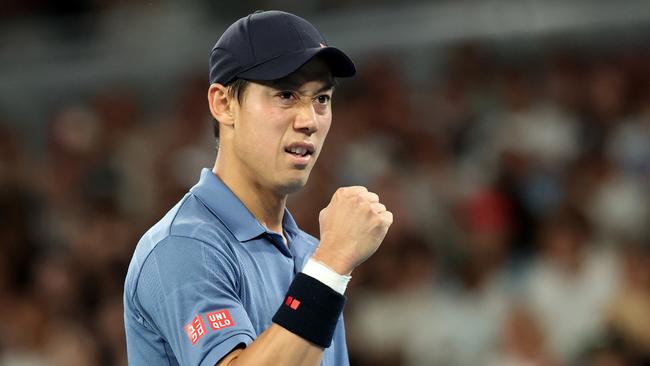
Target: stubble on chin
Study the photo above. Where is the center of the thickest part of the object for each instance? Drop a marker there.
(292, 186)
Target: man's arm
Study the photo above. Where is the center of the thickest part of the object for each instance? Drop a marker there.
(353, 226)
(276, 346)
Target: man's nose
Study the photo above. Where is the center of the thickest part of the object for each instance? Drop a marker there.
(306, 119)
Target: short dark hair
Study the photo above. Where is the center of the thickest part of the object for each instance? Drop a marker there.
(236, 89)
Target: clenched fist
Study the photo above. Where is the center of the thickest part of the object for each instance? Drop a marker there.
(352, 227)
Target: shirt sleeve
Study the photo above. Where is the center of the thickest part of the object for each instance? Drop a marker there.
(189, 293)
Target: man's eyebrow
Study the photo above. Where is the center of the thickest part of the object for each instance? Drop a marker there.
(329, 85)
(294, 85)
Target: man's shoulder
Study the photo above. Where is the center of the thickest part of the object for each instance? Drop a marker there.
(189, 219)
(189, 227)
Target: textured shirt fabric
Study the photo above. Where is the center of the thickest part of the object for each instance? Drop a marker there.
(209, 277)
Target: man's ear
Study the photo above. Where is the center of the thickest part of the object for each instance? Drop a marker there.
(221, 104)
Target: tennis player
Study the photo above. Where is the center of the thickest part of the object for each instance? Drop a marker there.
(226, 277)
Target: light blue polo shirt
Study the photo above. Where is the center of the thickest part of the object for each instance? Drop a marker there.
(209, 277)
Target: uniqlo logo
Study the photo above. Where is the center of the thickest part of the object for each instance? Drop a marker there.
(220, 319)
(195, 329)
(292, 303)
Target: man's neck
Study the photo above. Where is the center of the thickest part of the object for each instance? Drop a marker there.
(266, 206)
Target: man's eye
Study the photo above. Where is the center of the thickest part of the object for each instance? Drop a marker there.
(323, 99)
(286, 95)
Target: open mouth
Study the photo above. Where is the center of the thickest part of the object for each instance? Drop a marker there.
(300, 150)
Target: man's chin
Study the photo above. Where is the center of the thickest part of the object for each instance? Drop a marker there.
(293, 185)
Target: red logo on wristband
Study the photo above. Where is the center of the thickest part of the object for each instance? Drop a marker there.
(220, 319)
(292, 303)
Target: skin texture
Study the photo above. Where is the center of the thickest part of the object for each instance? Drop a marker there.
(253, 162)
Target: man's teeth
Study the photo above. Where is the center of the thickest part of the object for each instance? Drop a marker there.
(298, 150)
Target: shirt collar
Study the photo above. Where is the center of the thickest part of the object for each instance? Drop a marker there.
(224, 204)
(289, 224)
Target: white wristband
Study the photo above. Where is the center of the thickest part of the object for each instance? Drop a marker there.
(326, 275)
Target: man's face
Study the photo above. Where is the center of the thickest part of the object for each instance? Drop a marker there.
(281, 125)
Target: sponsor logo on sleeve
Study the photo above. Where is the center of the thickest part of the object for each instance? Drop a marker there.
(220, 319)
(195, 329)
(217, 320)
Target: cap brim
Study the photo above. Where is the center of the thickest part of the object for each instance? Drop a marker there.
(339, 63)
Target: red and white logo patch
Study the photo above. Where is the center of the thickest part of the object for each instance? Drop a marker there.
(195, 329)
(292, 303)
(220, 319)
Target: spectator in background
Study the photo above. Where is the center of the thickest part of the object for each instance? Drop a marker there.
(570, 284)
(628, 145)
(628, 314)
(463, 320)
(522, 341)
(391, 300)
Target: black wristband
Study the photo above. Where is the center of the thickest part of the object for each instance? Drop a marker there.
(310, 310)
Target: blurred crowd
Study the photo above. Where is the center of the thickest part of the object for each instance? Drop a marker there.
(519, 188)
(521, 201)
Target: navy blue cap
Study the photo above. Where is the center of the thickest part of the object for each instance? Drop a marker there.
(269, 45)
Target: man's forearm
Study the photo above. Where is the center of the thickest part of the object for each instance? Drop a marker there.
(276, 346)
(302, 328)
